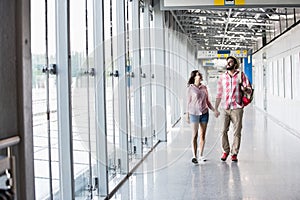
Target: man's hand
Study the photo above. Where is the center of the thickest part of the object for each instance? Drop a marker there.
(245, 89)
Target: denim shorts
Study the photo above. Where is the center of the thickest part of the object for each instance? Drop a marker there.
(199, 118)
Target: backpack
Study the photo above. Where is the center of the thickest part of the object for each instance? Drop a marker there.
(246, 98)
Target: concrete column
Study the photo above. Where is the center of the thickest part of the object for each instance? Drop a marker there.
(15, 90)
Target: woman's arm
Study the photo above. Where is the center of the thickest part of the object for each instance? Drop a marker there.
(188, 100)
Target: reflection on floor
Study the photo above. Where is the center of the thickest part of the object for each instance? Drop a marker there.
(268, 165)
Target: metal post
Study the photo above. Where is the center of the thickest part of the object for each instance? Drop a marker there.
(146, 66)
(160, 74)
(101, 129)
(122, 87)
(136, 82)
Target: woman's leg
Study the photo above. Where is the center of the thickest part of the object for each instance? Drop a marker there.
(195, 127)
(203, 127)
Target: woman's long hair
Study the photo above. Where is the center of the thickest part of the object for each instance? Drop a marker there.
(192, 77)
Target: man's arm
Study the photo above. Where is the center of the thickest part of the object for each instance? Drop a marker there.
(218, 101)
(246, 86)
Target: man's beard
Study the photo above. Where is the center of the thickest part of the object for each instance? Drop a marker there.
(228, 67)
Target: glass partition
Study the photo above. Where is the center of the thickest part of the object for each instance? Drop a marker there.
(122, 145)
(147, 125)
(83, 98)
(111, 90)
(44, 100)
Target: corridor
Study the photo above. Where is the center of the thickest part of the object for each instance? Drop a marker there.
(93, 96)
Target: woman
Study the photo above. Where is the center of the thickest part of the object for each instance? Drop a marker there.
(197, 111)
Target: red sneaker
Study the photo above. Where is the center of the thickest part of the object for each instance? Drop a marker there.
(234, 158)
(224, 156)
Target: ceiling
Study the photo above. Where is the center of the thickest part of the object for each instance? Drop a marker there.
(231, 28)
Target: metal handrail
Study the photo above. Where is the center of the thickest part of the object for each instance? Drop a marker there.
(5, 143)
(10, 162)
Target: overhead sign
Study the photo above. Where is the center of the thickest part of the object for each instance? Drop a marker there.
(206, 54)
(193, 4)
(202, 54)
(239, 53)
(208, 63)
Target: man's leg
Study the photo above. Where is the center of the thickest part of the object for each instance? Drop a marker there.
(225, 128)
(237, 119)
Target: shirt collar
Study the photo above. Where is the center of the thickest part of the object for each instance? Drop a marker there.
(235, 72)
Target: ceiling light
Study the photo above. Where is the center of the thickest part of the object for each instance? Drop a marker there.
(202, 18)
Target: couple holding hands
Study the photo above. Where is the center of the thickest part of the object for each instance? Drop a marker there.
(229, 93)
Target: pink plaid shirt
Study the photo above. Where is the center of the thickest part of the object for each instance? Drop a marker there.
(229, 90)
(197, 100)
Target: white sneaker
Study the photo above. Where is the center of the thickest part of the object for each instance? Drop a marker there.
(202, 159)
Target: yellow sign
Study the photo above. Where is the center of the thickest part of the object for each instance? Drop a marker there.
(222, 55)
(239, 53)
(239, 2)
(219, 2)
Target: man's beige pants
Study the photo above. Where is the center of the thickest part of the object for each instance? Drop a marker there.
(236, 117)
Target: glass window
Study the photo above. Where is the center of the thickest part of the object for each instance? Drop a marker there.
(83, 96)
(281, 81)
(288, 77)
(275, 72)
(44, 100)
(296, 76)
(270, 78)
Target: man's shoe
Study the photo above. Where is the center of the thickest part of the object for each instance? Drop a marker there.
(195, 161)
(224, 156)
(234, 158)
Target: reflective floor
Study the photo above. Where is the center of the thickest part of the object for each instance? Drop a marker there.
(268, 166)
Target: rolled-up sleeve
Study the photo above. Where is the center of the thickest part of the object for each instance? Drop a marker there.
(219, 88)
(188, 99)
(246, 83)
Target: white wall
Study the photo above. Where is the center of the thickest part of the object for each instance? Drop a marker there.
(283, 79)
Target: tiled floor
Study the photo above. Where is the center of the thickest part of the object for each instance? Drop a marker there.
(268, 166)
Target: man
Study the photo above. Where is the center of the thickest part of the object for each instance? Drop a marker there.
(230, 88)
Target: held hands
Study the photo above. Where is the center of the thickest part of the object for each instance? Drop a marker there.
(217, 113)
